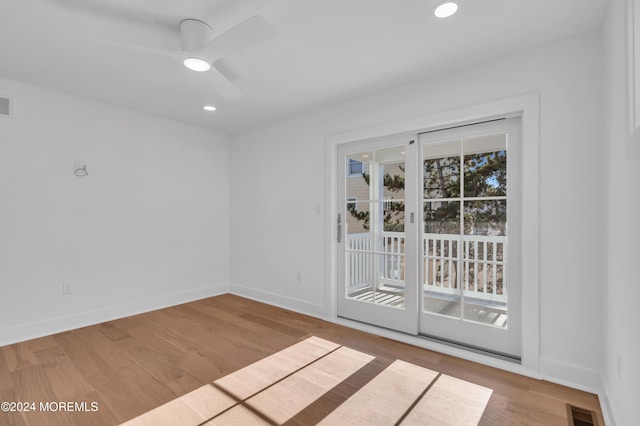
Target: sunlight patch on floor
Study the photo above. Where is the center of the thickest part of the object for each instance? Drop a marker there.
(273, 390)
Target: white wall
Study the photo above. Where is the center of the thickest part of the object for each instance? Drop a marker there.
(277, 189)
(147, 228)
(622, 285)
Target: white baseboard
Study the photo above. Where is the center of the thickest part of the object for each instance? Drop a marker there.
(571, 375)
(285, 302)
(579, 378)
(37, 329)
(605, 406)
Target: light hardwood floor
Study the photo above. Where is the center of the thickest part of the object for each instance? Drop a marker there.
(133, 365)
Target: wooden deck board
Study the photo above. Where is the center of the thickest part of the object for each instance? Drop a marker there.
(443, 305)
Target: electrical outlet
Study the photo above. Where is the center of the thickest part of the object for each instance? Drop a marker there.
(299, 277)
(66, 287)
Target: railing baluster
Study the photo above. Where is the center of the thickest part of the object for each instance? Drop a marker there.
(351, 272)
(387, 262)
(394, 266)
(354, 259)
(395, 272)
(360, 259)
(366, 262)
(425, 262)
(356, 263)
(394, 263)
(441, 262)
(496, 264)
(465, 264)
(384, 257)
(495, 270)
(449, 241)
(484, 267)
(475, 266)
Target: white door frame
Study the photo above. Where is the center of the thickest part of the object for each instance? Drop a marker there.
(527, 106)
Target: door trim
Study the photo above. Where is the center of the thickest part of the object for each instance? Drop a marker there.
(527, 106)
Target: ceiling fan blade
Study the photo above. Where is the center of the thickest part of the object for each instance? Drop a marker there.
(222, 85)
(170, 54)
(251, 32)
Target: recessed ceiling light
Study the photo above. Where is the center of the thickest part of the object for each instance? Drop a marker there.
(197, 64)
(445, 9)
(209, 108)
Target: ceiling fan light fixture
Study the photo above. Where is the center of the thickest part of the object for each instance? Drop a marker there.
(445, 9)
(209, 108)
(197, 64)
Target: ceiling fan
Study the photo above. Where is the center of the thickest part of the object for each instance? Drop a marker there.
(201, 48)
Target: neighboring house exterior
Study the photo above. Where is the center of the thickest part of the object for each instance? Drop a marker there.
(358, 193)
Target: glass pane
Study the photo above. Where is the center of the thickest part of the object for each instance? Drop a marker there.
(442, 217)
(393, 180)
(393, 216)
(389, 173)
(485, 217)
(390, 265)
(357, 217)
(376, 276)
(484, 281)
(357, 181)
(440, 263)
(359, 270)
(355, 167)
(441, 165)
(485, 166)
(482, 313)
(375, 206)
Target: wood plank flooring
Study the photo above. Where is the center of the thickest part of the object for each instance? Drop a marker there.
(273, 390)
(131, 366)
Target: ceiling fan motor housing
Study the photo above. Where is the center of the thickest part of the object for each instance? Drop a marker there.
(195, 34)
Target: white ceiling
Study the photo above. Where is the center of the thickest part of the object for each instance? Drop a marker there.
(324, 50)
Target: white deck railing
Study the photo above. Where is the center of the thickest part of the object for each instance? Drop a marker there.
(387, 258)
(480, 268)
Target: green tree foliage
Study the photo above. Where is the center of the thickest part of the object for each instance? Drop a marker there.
(441, 181)
(485, 175)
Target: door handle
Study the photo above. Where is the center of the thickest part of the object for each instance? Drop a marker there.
(339, 228)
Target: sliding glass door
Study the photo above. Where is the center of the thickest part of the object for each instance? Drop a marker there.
(469, 246)
(429, 228)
